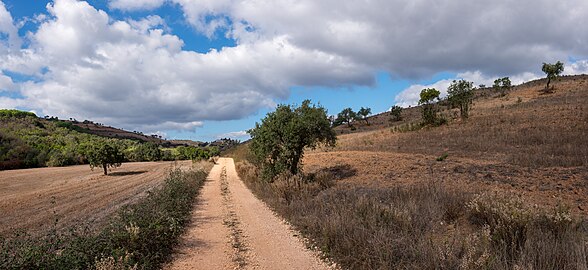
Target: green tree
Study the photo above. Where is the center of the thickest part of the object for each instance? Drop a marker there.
(502, 85)
(212, 151)
(364, 113)
(346, 116)
(396, 113)
(106, 156)
(460, 94)
(428, 96)
(552, 71)
(147, 152)
(278, 142)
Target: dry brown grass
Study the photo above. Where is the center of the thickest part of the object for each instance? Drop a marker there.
(540, 131)
(422, 226)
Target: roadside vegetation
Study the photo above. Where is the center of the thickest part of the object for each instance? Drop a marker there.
(279, 142)
(422, 227)
(140, 236)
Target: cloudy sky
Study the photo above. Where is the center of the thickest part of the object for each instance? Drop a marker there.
(203, 69)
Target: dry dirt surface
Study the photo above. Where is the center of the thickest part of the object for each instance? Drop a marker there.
(232, 229)
(45, 198)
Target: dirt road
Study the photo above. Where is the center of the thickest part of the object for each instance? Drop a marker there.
(232, 229)
(32, 199)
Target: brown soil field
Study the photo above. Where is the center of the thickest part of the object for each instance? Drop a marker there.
(39, 199)
(526, 142)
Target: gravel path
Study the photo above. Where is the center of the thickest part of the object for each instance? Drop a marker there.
(232, 229)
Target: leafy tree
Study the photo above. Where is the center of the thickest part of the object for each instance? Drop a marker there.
(212, 151)
(552, 71)
(167, 155)
(147, 152)
(427, 99)
(333, 120)
(106, 156)
(460, 95)
(278, 142)
(502, 85)
(396, 113)
(346, 116)
(364, 113)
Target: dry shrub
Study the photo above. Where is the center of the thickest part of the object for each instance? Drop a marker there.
(111, 263)
(528, 238)
(423, 226)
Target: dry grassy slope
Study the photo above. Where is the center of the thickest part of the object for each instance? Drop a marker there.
(536, 148)
(111, 132)
(413, 114)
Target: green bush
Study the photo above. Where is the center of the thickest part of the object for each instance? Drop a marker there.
(16, 113)
(146, 152)
(429, 108)
(396, 113)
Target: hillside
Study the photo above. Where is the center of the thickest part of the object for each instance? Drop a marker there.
(412, 115)
(27, 141)
(504, 189)
(112, 132)
(526, 141)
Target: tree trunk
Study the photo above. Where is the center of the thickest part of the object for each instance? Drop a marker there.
(295, 161)
(105, 169)
(548, 81)
(294, 166)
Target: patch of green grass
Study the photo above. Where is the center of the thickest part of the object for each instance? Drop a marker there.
(442, 157)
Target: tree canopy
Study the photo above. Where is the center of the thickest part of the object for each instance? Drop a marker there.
(502, 85)
(460, 94)
(346, 116)
(147, 152)
(106, 156)
(364, 113)
(428, 96)
(396, 113)
(552, 71)
(278, 142)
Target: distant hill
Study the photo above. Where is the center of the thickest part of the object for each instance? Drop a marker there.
(27, 141)
(116, 133)
(411, 116)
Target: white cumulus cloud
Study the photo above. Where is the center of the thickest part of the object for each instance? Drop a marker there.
(134, 74)
(137, 73)
(8, 27)
(130, 5)
(240, 135)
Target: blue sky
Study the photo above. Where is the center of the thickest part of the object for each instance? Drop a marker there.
(204, 69)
